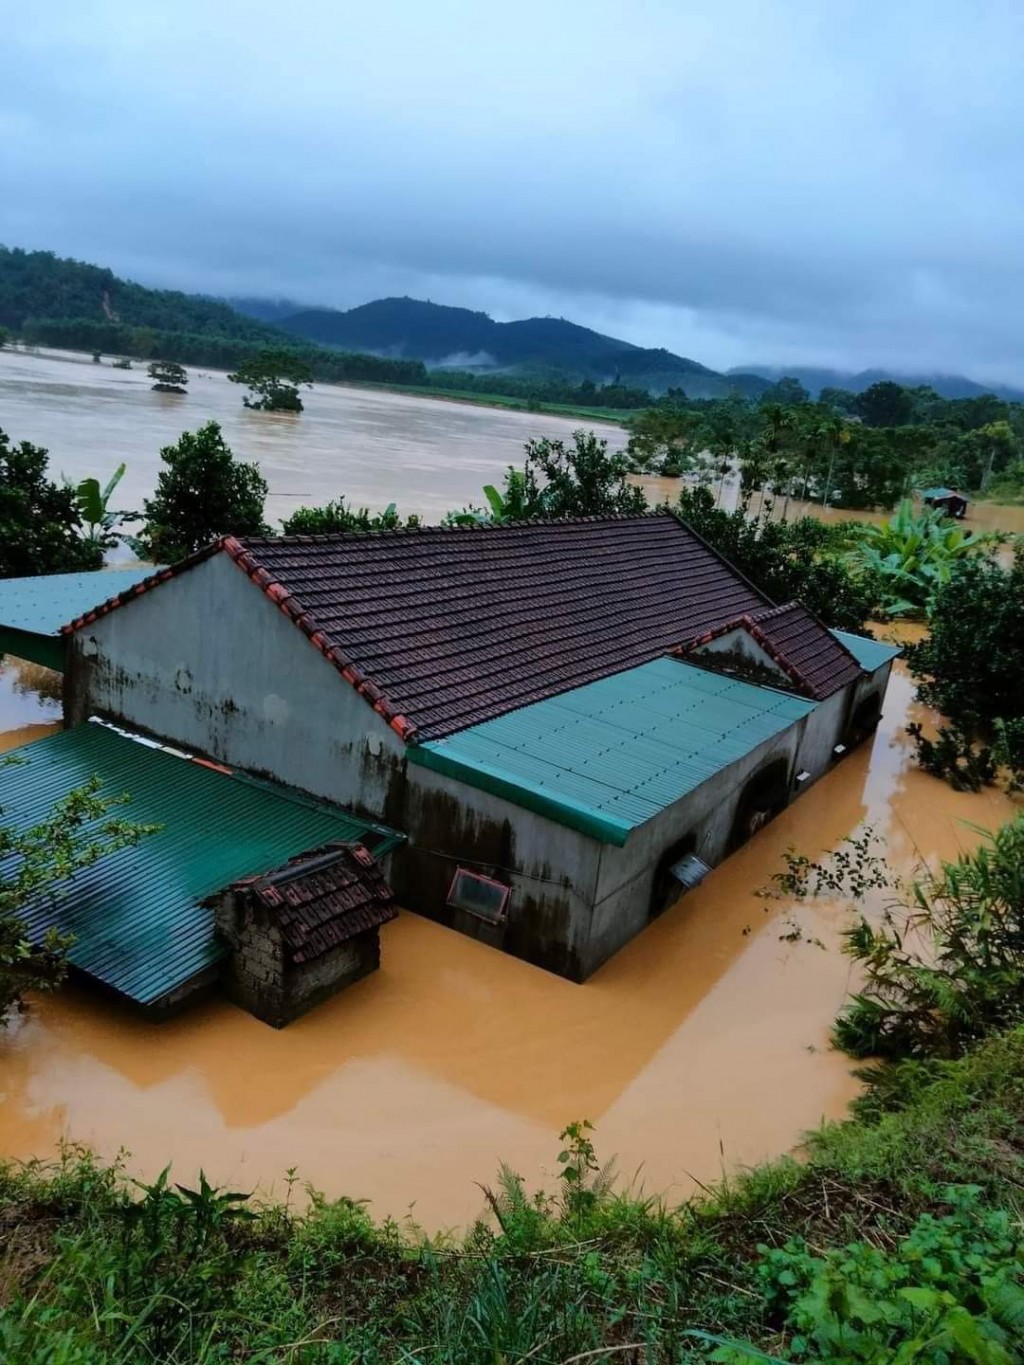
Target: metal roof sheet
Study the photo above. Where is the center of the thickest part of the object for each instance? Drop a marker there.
(608, 756)
(137, 915)
(41, 605)
(869, 653)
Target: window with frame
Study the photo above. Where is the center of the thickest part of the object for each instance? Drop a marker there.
(481, 896)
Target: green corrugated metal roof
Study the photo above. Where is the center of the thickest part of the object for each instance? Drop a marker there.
(137, 917)
(43, 604)
(606, 757)
(870, 654)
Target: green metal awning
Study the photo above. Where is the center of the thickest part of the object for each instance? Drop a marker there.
(137, 915)
(32, 610)
(869, 653)
(604, 758)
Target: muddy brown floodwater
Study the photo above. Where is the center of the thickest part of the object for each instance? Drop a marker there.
(425, 454)
(701, 1047)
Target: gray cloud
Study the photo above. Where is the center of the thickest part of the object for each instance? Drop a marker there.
(735, 180)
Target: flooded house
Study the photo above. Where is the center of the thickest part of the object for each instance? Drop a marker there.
(558, 727)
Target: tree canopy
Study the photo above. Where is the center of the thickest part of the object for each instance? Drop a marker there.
(273, 377)
(40, 521)
(203, 493)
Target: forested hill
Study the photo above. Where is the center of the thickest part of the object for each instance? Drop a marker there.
(459, 338)
(37, 285)
(814, 379)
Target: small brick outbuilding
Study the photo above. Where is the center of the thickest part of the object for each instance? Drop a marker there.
(303, 931)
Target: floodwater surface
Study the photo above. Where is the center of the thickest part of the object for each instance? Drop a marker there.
(424, 454)
(701, 1047)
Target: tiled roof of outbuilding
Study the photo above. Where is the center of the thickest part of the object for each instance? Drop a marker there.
(322, 898)
(811, 656)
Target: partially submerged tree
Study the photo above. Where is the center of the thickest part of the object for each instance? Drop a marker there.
(80, 830)
(168, 376)
(970, 668)
(40, 521)
(203, 493)
(273, 377)
(578, 480)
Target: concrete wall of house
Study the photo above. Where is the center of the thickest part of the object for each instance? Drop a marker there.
(551, 869)
(626, 880)
(258, 975)
(822, 730)
(209, 662)
(868, 687)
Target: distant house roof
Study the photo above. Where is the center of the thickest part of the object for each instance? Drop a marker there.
(609, 756)
(816, 661)
(444, 628)
(138, 916)
(323, 898)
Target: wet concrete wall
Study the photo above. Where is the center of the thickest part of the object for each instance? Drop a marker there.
(551, 869)
(207, 661)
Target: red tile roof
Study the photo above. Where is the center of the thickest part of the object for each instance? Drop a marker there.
(806, 651)
(442, 628)
(323, 898)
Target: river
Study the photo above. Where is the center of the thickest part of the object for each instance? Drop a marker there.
(701, 1047)
(374, 447)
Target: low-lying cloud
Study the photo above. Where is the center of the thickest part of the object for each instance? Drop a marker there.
(739, 182)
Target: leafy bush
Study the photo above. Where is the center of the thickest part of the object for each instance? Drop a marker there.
(951, 1291)
(947, 969)
(970, 669)
(40, 521)
(336, 516)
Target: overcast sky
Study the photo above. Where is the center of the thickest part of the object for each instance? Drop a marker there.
(835, 182)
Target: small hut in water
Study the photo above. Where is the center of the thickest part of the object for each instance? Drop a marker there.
(946, 500)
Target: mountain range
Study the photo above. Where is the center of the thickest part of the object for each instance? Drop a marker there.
(39, 291)
(459, 338)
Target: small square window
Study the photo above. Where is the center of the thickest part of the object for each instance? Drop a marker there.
(480, 896)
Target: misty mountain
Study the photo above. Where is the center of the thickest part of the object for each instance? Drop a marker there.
(459, 338)
(814, 379)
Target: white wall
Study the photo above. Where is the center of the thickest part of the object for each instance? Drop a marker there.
(207, 661)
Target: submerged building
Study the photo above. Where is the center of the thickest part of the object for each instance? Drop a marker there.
(564, 725)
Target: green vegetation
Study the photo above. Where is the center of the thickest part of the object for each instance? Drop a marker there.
(911, 555)
(786, 560)
(273, 377)
(100, 520)
(337, 516)
(168, 376)
(203, 493)
(78, 832)
(969, 669)
(40, 521)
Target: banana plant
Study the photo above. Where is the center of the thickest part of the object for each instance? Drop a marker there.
(912, 554)
(93, 504)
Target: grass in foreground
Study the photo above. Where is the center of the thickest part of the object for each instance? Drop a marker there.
(896, 1239)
